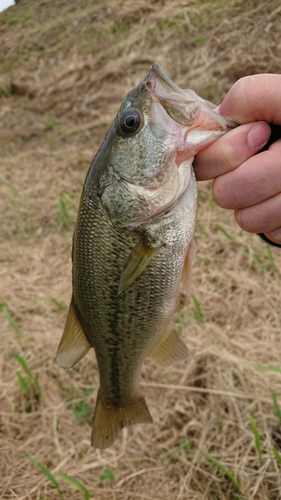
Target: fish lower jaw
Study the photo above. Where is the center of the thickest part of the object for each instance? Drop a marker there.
(197, 139)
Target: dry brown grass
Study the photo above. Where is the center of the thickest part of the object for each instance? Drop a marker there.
(64, 69)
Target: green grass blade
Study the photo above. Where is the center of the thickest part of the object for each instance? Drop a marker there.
(267, 367)
(46, 471)
(29, 384)
(89, 390)
(23, 364)
(49, 125)
(69, 200)
(107, 474)
(197, 311)
(224, 232)
(80, 409)
(271, 260)
(37, 388)
(57, 303)
(254, 260)
(53, 301)
(179, 322)
(224, 470)
(12, 188)
(257, 436)
(66, 205)
(202, 229)
(275, 404)
(76, 484)
(9, 317)
(277, 455)
(64, 214)
(185, 445)
(23, 383)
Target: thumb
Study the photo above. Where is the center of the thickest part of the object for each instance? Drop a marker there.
(254, 98)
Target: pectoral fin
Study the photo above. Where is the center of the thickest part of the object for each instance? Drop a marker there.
(171, 349)
(74, 344)
(138, 260)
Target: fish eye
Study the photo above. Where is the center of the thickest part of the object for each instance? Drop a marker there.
(130, 122)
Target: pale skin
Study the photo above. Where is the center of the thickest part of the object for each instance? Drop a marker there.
(246, 182)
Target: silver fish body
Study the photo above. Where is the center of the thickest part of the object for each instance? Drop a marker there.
(132, 245)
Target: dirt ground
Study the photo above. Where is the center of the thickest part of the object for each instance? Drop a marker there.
(65, 67)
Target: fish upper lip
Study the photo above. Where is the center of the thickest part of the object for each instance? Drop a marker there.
(156, 70)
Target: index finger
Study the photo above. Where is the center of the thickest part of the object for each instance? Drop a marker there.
(231, 150)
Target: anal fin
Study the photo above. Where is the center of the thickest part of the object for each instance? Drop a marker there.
(74, 344)
(109, 419)
(171, 349)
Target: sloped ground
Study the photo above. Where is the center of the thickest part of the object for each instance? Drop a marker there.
(64, 69)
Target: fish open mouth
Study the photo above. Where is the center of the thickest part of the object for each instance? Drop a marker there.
(184, 106)
(172, 98)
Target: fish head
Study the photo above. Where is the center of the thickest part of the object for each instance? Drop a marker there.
(157, 131)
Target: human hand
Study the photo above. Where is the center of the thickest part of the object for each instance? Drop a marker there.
(246, 182)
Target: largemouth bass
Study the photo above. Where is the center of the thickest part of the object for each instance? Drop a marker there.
(132, 245)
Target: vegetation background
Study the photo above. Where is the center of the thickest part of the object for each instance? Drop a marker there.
(65, 67)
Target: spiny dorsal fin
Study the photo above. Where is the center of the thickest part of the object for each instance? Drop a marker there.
(171, 349)
(138, 260)
(74, 344)
(109, 420)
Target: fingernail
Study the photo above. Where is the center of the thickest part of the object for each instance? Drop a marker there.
(258, 135)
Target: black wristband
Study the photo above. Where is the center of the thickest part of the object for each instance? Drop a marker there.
(272, 243)
(275, 134)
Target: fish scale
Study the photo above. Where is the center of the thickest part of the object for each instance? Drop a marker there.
(133, 245)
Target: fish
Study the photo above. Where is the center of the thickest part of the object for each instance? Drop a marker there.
(133, 245)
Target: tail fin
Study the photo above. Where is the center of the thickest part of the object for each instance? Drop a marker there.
(109, 420)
